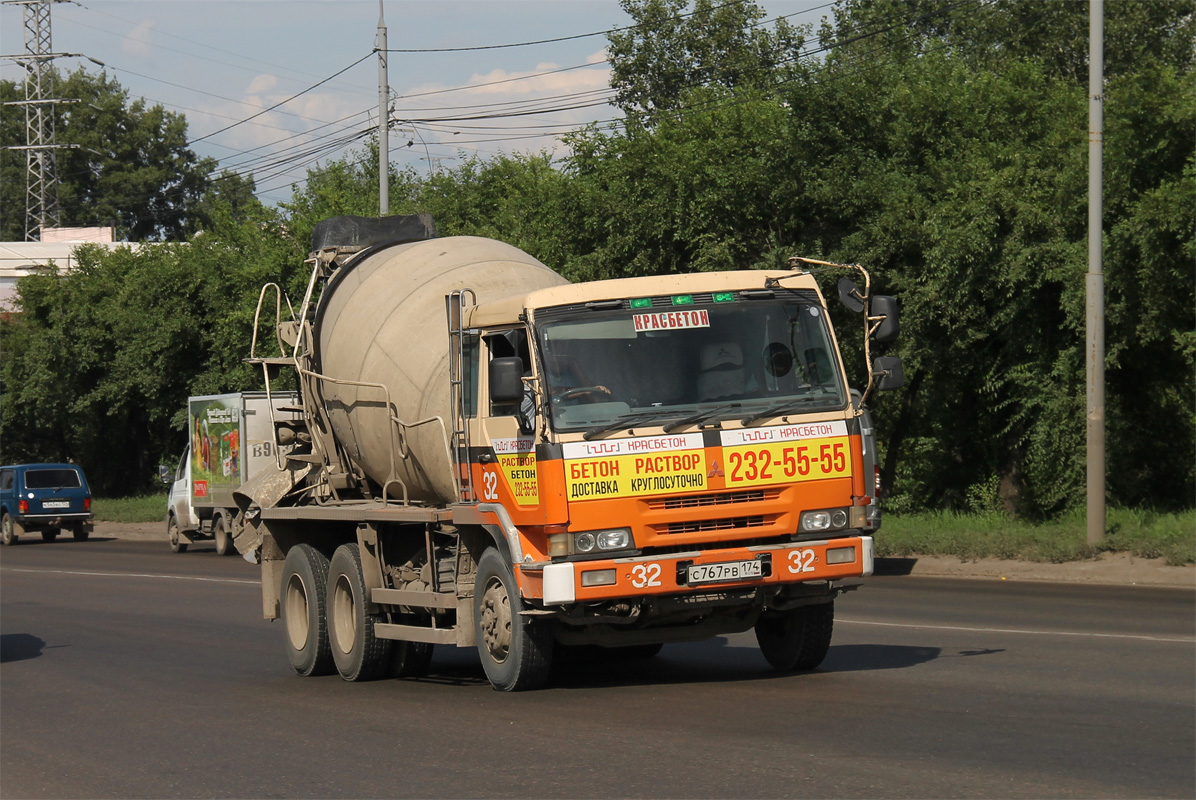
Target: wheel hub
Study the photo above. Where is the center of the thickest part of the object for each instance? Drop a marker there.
(496, 620)
(297, 624)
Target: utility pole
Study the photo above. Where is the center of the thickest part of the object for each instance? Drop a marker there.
(1095, 279)
(383, 120)
(41, 163)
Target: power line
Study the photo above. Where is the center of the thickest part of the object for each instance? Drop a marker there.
(283, 102)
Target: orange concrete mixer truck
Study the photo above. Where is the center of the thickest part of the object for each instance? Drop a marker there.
(486, 455)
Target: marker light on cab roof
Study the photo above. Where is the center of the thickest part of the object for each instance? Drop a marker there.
(641, 302)
(683, 299)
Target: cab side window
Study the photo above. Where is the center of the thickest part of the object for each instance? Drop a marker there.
(506, 345)
(469, 374)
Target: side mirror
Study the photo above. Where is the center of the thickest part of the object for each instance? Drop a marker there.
(165, 475)
(849, 293)
(887, 372)
(506, 384)
(885, 306)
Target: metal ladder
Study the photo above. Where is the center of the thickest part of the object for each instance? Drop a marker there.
(455, 304)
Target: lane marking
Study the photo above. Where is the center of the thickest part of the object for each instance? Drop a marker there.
(131, 575)
(1015, 630)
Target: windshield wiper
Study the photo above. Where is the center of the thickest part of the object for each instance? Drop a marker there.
(782, 408)
(628, 421)
(701, 416)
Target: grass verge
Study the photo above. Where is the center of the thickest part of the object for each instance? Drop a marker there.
(970, 537)
(147, 508)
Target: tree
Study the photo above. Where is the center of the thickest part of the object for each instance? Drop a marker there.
(98, 363)
(668, 52)
(127, 164)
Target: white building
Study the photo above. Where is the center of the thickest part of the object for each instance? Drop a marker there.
(55, 251)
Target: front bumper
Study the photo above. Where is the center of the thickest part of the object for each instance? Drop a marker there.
(799, 562)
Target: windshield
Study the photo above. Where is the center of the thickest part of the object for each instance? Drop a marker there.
(672, 366)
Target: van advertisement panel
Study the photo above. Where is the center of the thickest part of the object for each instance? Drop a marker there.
(215, 430)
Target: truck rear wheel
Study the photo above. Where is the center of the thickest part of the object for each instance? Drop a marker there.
(516, 651)
(81, 533)
(359, 654)
(797, 639)
(224, 540)
(8, 533)
(303, 610)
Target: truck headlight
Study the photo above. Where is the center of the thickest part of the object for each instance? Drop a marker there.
(830, 519)
(585, 542)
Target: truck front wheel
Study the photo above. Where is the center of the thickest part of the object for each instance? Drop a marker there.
(224, 540)
(516, 651)
(358, 653)
(303, 610)
(797, 639)
(177, 545)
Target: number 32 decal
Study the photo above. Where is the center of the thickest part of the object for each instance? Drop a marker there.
(645, 575)
(490, 485)
(801, 561)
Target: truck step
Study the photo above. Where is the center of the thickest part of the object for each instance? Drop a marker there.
(401, 597)
(415, 633)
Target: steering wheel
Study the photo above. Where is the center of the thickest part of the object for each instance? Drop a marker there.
(583, 391)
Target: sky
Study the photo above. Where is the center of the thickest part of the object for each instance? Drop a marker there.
(225, 65)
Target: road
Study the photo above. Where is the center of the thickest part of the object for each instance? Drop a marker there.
(129, 671)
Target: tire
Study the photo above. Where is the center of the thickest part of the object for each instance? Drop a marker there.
(50, 534)
(797, 639)
(359, 655)
(177, 545)
(303, 608)
(410, 659)
(8, 532)
(516, 651)
(224, 539)
(81, 534)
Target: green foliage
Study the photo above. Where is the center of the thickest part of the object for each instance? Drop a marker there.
(127, 163)
(677, 199)
(98, 363)
(668, 52)
(943, 146)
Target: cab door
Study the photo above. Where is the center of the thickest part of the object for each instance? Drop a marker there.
(508, 463)
(180, 494)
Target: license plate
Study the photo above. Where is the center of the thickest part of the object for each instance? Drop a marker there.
(725, 571)
(56, 504)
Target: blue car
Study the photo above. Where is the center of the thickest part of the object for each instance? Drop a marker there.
(44, 497)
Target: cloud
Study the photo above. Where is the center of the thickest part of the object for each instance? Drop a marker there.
(137, 40)
(262, 83)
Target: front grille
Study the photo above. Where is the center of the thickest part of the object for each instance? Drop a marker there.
(705, 525)
(703, 500)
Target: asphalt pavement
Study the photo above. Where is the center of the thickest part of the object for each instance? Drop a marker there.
(129, 671)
